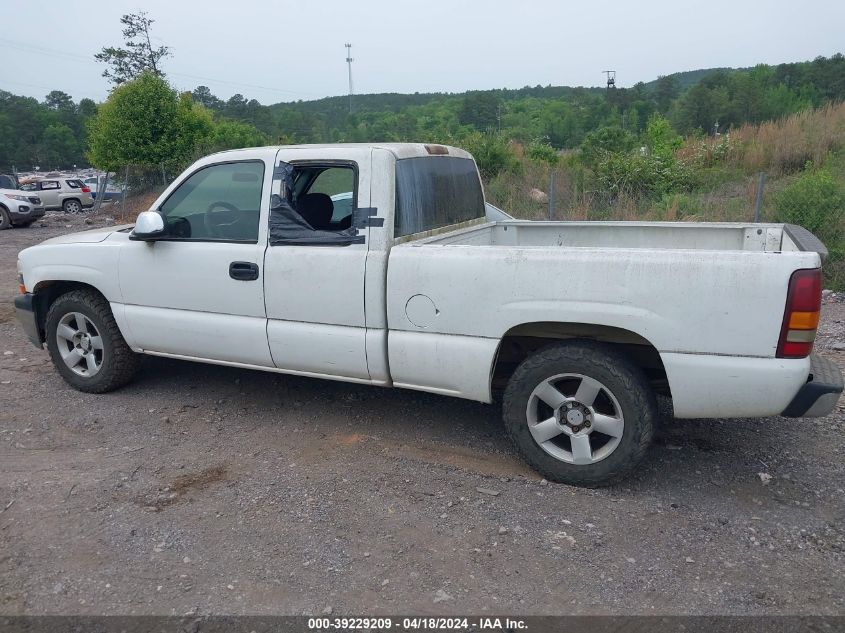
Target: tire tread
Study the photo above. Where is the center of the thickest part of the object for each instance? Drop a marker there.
(630, 377)
(124, 363)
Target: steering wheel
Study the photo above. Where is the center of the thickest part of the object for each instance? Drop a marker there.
(219, 216)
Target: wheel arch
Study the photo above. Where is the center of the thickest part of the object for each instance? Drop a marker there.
(45, 294)
(524, 339)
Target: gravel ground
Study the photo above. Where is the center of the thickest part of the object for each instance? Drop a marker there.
(211, 490)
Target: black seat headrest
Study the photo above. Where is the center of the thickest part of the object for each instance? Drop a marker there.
(317, 209)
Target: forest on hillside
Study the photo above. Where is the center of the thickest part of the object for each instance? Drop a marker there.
(53, 133)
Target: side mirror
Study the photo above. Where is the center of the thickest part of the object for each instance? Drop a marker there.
(149, 226)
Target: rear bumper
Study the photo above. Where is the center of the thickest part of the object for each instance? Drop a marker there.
(819, 395)
(25, 311)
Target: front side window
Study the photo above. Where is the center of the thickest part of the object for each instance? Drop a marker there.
(219, 202)
(436, 191)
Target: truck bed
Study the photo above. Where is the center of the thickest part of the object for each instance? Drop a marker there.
(724, 236)
(708, 298)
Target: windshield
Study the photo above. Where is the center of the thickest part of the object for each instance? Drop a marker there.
(436, 191)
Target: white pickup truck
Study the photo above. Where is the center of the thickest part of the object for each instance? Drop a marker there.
(381, 264)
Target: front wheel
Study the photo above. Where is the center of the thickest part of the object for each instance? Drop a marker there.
(5, 221)
(580, 413)
(86, 345)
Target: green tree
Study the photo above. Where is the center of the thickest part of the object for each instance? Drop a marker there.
(541, 151)
(599, 144)
(138, 56)
(203, 96)
(491, 152)
(229, 134)
(87, 108)
(480, 110)
(60, 101)
(145, 123)
(665, 93)
(660, 138)
(59, 147)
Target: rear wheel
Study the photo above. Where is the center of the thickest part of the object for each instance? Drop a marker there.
(86, 345)
(580, 413)
(72, 206)
(5, 222)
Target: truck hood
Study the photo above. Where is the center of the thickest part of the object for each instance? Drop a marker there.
(86, 237)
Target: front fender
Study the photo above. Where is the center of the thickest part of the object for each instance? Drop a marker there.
(95, 265)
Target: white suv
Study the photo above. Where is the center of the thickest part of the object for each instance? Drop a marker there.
(19, 208)
(70, 195)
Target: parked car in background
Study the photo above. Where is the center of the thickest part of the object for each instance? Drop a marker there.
(71, 195)
(93, 183)
(18, 208)
(8, 181)
(342, 205)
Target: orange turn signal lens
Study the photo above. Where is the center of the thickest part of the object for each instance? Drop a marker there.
(22, 289)
(803, 320)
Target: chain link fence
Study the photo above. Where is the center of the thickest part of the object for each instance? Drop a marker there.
(125, 192)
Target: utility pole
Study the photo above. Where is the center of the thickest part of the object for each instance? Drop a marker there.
(611, 78)
(349, 64)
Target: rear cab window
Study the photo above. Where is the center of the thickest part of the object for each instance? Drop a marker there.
(436, 191)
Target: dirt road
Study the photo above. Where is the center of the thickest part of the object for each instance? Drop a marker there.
(202, 489)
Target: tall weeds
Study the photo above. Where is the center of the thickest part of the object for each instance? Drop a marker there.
(776, 147)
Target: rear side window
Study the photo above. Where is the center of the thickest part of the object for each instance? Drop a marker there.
(436, 191)
(76, 184)
(49, 184)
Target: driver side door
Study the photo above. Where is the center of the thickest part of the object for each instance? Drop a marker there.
(198, 292)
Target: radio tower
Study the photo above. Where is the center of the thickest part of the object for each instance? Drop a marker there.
(349, 63)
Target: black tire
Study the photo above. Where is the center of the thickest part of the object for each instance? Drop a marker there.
(626, 382)
(72, 205)
(5, 222)
(119, 362)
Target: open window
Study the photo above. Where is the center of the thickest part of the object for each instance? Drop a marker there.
(314, 203)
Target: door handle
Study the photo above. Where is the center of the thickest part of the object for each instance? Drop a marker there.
(243, 271)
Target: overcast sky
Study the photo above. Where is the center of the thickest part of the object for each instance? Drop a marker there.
(278, 50)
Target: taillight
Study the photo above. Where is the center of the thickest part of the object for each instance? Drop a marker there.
(801, 317)
(86, 190)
